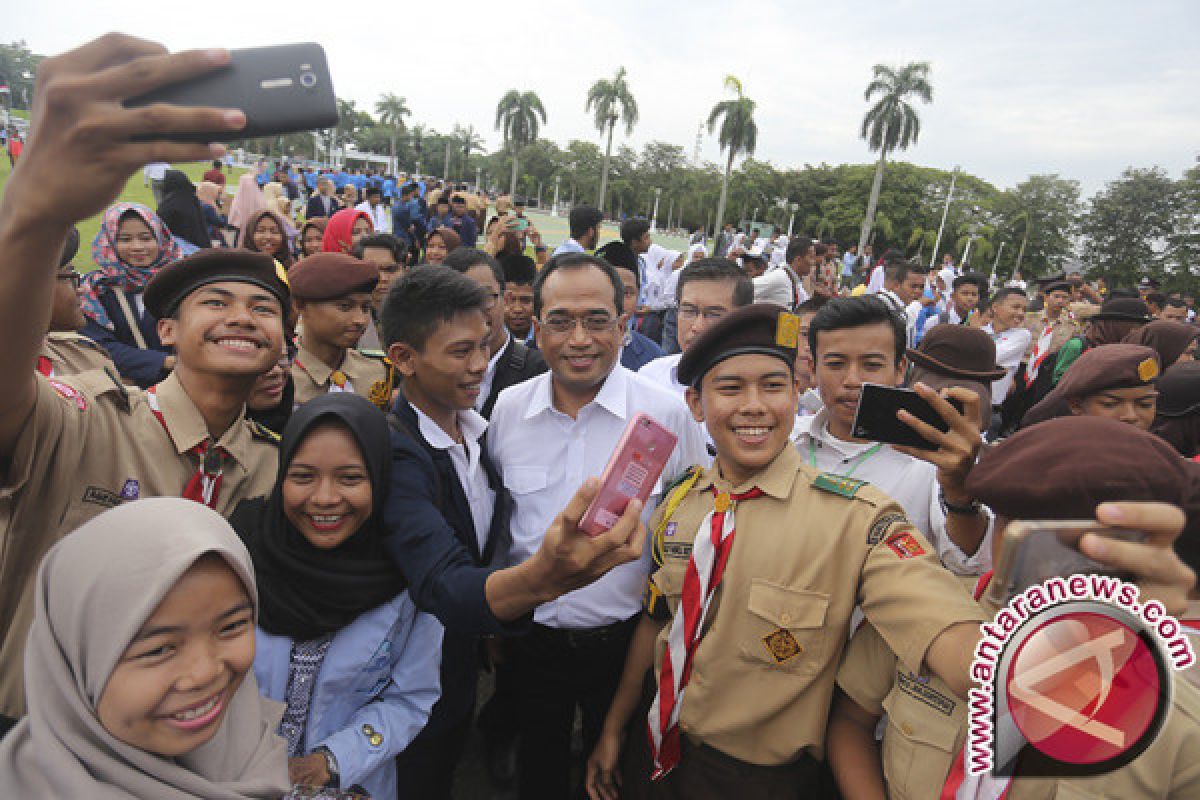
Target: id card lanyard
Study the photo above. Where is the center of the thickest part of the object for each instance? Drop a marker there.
(858, 460)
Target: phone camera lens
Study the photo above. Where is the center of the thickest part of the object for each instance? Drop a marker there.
(308, 80)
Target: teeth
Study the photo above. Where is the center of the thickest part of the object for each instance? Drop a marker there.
(752, 431)
(326, 520)
(237, 344)
(184, 716)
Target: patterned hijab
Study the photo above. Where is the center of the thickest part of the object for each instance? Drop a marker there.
(94, 591)
(113, 273)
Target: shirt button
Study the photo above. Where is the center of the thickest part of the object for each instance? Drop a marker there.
(907, 729)
(785, 619)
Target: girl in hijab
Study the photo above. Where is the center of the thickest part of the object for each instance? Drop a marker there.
(440, 244)
(1177, 419)
(210, 194)
(1173, 341)
(180, 210)
(247, 202)
(344, 229)
(312, 233)
(340, 641)
(1117, 318)
(138, 669)
(266, 232)
(271, 401)
(131, 246)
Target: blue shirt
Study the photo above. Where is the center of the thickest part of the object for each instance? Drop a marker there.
(639, 351)
(569, 246)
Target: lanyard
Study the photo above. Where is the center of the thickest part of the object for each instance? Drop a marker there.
(859, 460)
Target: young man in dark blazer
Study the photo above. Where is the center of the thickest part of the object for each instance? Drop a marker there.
(448, 512)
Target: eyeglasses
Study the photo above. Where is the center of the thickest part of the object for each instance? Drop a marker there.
(74, 277)
(592, 323)
(710, 314)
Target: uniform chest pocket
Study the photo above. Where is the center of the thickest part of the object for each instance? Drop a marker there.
(784, 628)
(921, 741)
(524, 480)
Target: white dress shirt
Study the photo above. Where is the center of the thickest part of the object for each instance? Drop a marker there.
(910, 482)
(381, 218)
(776, 286)
(545, 455)
(910, 313)
(489, 375)
(1010, 347)
(662, 372)
(876, 283)
(467, 465)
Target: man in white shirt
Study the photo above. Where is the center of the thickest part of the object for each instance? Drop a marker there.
(1012, 339)
(783, 283)
(381, 218)
(857, 340)
(903, 287)
(547, 436)
(966, 292)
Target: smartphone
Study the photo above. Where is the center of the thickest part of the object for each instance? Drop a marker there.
(1037, 550)
(632, 471)
(522, 223)
(876, 421)
(281, 89)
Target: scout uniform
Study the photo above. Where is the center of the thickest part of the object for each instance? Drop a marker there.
(329, 276)
(91, 443)
(1061, 329)
(1113, 366)
(1128, 310)
(68, 353)
(812, 547)
(1034, 475)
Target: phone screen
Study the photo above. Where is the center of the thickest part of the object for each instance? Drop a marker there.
(876, 421)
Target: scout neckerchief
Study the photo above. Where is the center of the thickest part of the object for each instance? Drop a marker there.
(859, 460)
(1042, 349)
(710, 552)
(205, 486)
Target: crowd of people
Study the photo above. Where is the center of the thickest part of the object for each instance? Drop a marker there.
(292, 466)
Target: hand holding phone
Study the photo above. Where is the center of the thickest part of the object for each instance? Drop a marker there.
(632, 471)
(876, 420)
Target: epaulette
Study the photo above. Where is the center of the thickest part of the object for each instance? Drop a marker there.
(263, 433)
(378, 355)
(837, 484)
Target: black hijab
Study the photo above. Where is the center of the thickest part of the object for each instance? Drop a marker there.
(180, 210)
(306, 592)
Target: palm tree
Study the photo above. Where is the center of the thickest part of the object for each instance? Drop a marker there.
(739, 134)
(469, 141)
(611, 101)
(392, 109)
(418, 133)
(892, 123)
(517, 116)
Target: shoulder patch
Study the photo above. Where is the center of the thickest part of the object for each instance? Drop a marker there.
(905, 545)
(882, 526)
(837, 484)
(68, 393)
(263, 433)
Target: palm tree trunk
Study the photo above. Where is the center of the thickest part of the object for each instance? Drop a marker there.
(869, 219)
(446, 168)
(392, 153)
(721, 203)
(604, 170)
(512, 190)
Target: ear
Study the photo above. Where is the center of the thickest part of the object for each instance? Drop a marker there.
(167, 329)
(692, 397)
(901, 370)
(403, 357)
(537, 333)
(622, 321)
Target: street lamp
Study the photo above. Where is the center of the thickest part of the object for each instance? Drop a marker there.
(654, 215)
(945, 210)
(554, 208)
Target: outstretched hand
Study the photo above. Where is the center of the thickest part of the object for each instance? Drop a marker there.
(1156, 568)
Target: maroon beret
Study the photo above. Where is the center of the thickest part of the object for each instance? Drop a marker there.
(1065, 467)
(325, 276)
(1110, 366)
(763, 328)
(170, 285)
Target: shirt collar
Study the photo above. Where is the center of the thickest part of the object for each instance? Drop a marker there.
(611, 397)
(776, 480)
(186, 426)
(818, 430)
(470, 423)
(495, 359)
(317, 369)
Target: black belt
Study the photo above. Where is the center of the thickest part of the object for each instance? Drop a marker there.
(578, 638)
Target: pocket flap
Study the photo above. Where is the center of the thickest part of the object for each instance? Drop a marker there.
(907, 717)
(787, 608)
(522, 480)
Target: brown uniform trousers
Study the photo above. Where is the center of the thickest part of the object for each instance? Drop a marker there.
(74, 353)
(89, 444)
(366, 375)
(926, 728)
(806, 553)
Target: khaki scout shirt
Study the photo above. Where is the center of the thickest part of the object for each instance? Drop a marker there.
(803, 557)
(1064, 328)
(89, 444)
(926, 729)
(364, 374)
(73, 353)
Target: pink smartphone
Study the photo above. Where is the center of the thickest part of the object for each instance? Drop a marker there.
(633, 470)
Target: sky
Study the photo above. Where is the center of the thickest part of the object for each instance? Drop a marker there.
(1081, 89)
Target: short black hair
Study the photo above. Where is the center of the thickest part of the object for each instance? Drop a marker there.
(812, 304)
(462, 259)
(1006, 292)
(971, 277)
(519, 269)
(582, 219)
(373, 190)
(384, 241)
(442, 198)
(857, 312)
(633, 229)
(718, 269)
(1157, 298)
(569, 261)
(407, 188)
(797, 246)
(1175, 302)
(619, 255)
(899, 270)
(423, 299)
(217, 163)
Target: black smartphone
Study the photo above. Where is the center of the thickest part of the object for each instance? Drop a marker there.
(876, 421)
(281, 89)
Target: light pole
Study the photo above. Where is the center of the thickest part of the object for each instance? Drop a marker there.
(554, 209)
(946, 210)
(996, 264)
(539, 202)
(1024, 240)
(478, 178)
(793, 207)
(654, 215)
(670, 208)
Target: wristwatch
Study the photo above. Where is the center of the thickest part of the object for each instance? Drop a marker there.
(331, 766)
(968, 510)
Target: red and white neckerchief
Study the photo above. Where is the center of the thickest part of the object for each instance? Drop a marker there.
(1041, 350)
(710, 552)
(45, 366)
(960, 785)
(205, 486)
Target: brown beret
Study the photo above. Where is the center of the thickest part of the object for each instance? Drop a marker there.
(1169, 339)
(324, 276)
(958, 351)
(1110, 366)
(1179, 390)
(167, 289)
(1063, 468)
(762, 328)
